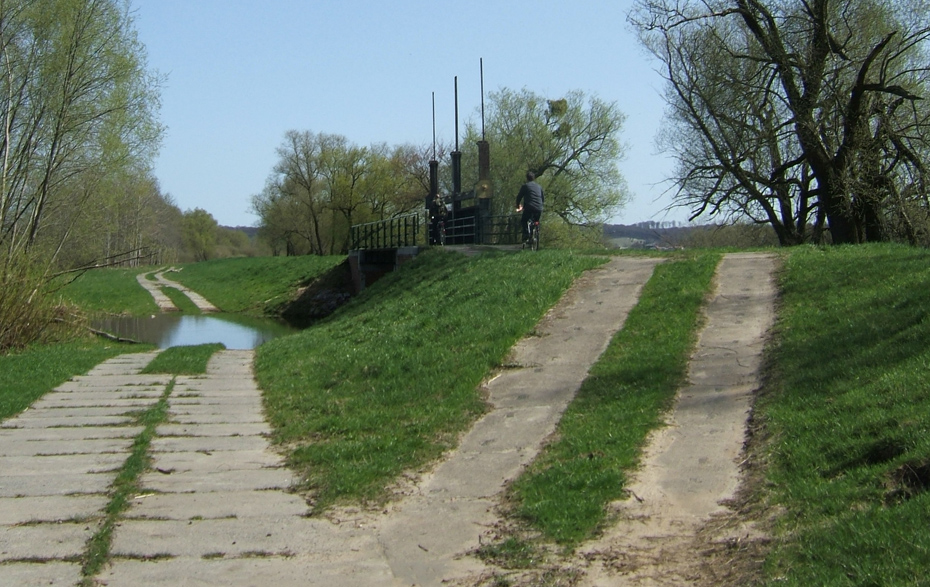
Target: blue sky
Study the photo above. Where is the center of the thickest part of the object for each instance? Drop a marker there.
(241, 73)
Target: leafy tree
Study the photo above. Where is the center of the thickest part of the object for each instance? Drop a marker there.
(199, 230)
(323, 184)
(805, 115)
(77, 111)
(571, 144)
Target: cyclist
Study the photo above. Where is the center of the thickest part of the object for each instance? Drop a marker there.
(530, 201)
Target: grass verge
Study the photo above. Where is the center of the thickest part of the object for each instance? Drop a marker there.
(183, 360)
(846, 417)
(253, 285)
(389, 381)
(564, 493)
(27, 375)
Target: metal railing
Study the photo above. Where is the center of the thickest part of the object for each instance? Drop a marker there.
(502, 230)
(391, 233)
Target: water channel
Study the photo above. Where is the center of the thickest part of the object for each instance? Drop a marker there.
(168, 330)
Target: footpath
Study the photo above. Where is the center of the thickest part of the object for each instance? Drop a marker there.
(216, 508)
(164, 303)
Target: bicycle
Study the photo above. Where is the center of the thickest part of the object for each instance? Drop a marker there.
(532, 227)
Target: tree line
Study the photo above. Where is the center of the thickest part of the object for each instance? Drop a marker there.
(78, 131)
(323, 184)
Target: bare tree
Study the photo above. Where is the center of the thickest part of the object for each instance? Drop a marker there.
(799, 114)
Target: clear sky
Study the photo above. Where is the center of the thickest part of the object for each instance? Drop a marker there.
(241, 73)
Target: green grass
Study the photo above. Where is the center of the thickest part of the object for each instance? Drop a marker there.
(252, 285)
(847, 418)
(183, 360)
(564, 493)
(389, 381)
(27, 375)
(110, 291)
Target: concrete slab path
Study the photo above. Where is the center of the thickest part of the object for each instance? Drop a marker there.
(164, 303)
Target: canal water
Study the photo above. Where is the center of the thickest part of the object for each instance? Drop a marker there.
(168, 330)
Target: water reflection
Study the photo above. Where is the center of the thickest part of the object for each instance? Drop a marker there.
(167, 330)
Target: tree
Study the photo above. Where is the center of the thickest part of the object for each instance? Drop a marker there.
(572, 145)
(199, 230)
(77, 110)
(76, 103)
(799, 114)
(323, 184)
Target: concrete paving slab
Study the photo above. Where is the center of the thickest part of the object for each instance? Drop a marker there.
(54, 484)
(422, 549)
(208, 443)
(60, 465)
(246, 401)
(65, 421)
(88, 433)
(234, 537)
(50, 508)
(251, 572)
(232, 417)
(73, 412)
(122, 382)
(508, 429)
(223, 460)
(200, 481)
(69, 401)
(513, 388)
(228, 504)
(222, 429)
(473, 475)
(40, 574)
(43, 541)
(13, 447)
(127, 364)
(104, 394)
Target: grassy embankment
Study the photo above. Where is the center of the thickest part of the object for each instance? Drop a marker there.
(846, 415)
(255, 286)
(389, 381)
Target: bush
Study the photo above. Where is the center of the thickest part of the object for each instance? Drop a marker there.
(27, 312)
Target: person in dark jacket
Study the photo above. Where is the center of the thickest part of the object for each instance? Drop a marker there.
(530, 201)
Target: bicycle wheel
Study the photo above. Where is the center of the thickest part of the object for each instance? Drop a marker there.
(534, 237)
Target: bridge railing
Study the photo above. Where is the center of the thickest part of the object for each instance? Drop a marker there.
(390, 233)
